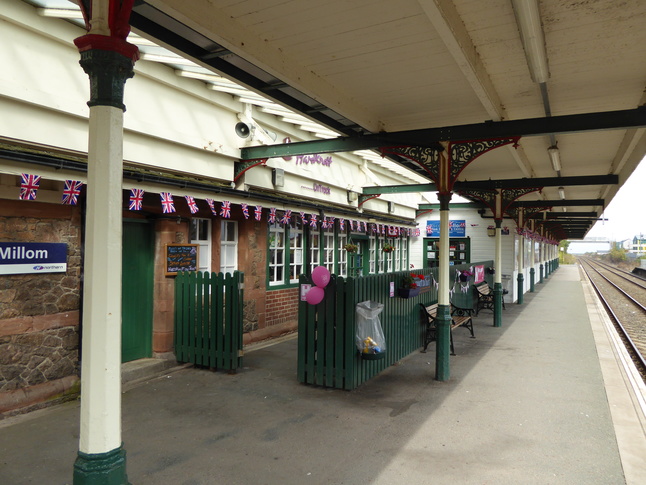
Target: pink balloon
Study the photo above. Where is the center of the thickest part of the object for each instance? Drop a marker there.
(321, 276)
(315, 295)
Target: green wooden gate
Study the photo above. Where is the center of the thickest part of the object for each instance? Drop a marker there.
(208, 319)
(327, 353)
(137, 290)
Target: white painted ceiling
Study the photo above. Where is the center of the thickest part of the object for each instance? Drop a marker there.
(412, 64)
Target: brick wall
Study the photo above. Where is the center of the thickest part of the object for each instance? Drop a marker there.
(39, 313)
(282, 306)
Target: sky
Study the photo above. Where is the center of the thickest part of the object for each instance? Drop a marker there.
(626, 213)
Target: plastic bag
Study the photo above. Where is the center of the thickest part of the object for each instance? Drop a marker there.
(370, 338)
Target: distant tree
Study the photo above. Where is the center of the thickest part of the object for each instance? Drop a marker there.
(617, 255)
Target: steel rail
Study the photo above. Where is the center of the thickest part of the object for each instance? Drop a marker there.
(632, 278)
(635, 351)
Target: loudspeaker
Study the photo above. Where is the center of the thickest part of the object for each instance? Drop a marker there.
(243, 130)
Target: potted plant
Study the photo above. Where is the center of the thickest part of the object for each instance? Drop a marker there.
(388, 248)
(351, 248)
(409, 285)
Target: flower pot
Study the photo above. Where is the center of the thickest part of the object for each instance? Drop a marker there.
(408, 292)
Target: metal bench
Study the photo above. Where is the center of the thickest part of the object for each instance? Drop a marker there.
(460, 317)
(484, 297)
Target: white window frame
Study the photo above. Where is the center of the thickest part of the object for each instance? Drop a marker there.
(204, 252)
(228, 266)
(296, 250)
(276, 255)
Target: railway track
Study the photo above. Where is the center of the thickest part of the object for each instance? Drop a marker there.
(625, 301)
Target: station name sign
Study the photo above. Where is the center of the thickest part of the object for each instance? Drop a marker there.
(24, 258)
(457, 228)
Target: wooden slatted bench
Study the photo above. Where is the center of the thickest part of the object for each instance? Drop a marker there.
(460, 317)
(484, 297)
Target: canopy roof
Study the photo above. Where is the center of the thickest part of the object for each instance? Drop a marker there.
(371, 66)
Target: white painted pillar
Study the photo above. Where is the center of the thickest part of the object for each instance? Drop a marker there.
(101, 357)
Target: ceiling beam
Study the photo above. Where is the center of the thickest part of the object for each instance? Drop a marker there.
(559, 203)
(497, 184)
(430, 137)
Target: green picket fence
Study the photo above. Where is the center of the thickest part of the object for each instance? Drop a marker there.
(208, 319)
(327, 353)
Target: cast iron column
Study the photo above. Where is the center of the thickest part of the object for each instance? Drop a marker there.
(109, 61)
(497, 278)
(442, 372)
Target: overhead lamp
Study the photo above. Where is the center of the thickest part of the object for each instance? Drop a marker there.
(562, 193)
(528, 19)
(553, 151)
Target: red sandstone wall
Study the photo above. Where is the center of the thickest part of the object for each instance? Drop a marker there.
(39, 313)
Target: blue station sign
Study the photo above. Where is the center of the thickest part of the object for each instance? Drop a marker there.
(23, 258)
(457, 228)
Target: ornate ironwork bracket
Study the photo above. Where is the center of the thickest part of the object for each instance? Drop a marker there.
(508, 196)
(242, 167)
(428, 158)
(366, 198)
(461, 154)
(419, 213)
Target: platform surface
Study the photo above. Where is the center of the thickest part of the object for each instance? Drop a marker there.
(526, 403)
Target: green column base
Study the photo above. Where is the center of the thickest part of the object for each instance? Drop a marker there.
(101, 468)
(443, 348)
(521, 279)
(497, 304)
(541, 279)
(531, 279)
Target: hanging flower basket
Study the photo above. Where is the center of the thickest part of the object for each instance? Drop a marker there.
(351, 248)
(388, 248)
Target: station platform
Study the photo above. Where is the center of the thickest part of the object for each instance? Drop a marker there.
(544, 399)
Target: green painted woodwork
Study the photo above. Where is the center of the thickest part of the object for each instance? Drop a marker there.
(457, 205)
(399, 189)
(432, 251)
(443, 348)
(137, 291)
(520, 281)
(497, 304)
(476, 131)
(540, 280)
(531, 279)
(559, 203)
(101, 468)
(108, 72)
(327, 353)
(208, 319)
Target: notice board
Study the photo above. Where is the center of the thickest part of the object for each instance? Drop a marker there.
(181, 257)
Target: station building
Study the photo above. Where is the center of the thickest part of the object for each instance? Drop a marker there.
(184, 185)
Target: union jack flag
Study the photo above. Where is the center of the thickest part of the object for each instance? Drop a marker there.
(258, 213)
(272, 215)
(351, 224)
(303, 218)
(167, 202)
(225, 211)
(342, 224)
(71, 191)
(313, 221)
(245, 210)
(324, 223)
(287, 217)
(374, 228)
(136, 199)
(29, 186)
(190, 200)
(383, 228)
(211, 203)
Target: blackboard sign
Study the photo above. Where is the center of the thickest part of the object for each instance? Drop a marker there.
(181, 257)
